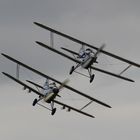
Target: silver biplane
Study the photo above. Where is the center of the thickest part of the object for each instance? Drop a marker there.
(50, 91)
(87, 57)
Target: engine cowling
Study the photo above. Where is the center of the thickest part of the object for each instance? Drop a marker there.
(55, 90)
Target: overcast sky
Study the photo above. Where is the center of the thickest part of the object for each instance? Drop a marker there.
(114, 22)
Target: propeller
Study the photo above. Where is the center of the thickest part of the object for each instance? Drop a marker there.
(99, 51)
(65, 82)
(57, 89)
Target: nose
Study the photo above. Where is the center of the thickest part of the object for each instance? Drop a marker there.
(55, 90)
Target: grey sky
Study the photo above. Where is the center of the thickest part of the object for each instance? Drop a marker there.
(114, 22)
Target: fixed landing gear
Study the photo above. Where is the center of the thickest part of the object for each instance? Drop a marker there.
(91, 75)
(35, 102)
(91, 78)
(72, 69)
(53, 111)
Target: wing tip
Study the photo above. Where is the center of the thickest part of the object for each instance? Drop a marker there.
(92, 116)
(36, 23)
(40, 43)
(37, 42)
(132, 81)
(6, 74)
(3, 73)
(3, 54)
(108, 106)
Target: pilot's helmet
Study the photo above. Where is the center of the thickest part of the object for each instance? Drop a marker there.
(54, 83)
(47, 81)
(88, 51)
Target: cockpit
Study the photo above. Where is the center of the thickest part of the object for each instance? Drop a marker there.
(88, 51)
(84, 53)
(52, 85)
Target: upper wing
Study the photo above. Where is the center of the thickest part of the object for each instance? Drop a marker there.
(35, 84)
(56, 51)
(66, 86)
(70, 51)
(33, 90)
(23, 84)
(86, 44)
(72, 108)
(97, 69)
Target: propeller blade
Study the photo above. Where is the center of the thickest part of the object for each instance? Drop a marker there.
(99, 50)
(66, 81)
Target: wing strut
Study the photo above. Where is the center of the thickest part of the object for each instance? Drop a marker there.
(44, 106)
(74, 109)
(86, 105)
(17, 71)
(125, 69)
(51, 39)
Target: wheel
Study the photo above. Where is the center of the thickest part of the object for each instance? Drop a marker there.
(34, 102)
(72, 69)
(91, 78)
(53, 111)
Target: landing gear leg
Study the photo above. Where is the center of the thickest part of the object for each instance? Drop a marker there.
(91, 76)
(53, 109)
(35, 102)
(72, 69)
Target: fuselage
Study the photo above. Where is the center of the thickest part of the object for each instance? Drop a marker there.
(86, 58)
(49, 91)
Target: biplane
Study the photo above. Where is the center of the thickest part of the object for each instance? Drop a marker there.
(50, 91)
(87, 57)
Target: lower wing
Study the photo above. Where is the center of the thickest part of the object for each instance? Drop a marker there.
(23, 84)
(112, 74)
(72, 108)
(46, 76)
(72, 59)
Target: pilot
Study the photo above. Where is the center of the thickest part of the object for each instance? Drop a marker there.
(83, 54)
(88, 51)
